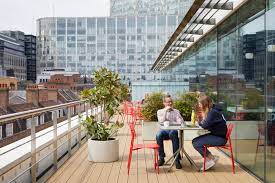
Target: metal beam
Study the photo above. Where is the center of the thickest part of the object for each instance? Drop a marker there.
(180, 45)
(211, 21)
(191, 39)
(195, 32)
(220, 6)
(189, 15)
(177, 49)
(172, 53)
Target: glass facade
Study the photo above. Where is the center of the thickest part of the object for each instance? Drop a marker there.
(127, 45)
(149, 7)
(235, 65)
(12, 55)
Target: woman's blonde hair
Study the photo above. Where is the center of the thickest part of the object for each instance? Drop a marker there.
(206, 103)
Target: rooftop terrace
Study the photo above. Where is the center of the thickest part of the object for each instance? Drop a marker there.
(79, 169)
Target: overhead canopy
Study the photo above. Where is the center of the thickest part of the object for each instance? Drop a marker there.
(202, 17)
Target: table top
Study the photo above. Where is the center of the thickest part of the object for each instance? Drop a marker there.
(178, 127)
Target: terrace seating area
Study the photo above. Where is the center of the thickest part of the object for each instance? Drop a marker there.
(79, 169)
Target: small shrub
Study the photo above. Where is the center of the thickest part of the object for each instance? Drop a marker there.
(185, 104)
(152, 104)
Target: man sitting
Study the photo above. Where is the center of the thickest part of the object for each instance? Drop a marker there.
(168, 113)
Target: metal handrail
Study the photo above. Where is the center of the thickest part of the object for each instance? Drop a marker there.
(8, 117)
(32, 139)
(34, 150)
(51, 152)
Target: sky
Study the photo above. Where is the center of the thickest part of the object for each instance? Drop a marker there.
(22, 14)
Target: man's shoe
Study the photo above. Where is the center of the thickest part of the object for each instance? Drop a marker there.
(161, 162)
(208, 164)
(178, 164)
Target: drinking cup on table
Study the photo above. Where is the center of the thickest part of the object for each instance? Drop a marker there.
(166, 124)
(182, 124)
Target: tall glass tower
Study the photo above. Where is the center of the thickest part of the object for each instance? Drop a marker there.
(149, 7)
(124, 42)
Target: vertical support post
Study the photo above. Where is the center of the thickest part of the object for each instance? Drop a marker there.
(55, 140)
(79, 125)
(69, 131)
(33, 151)
(87, 107)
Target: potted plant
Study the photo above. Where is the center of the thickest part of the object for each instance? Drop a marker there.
(102, 146)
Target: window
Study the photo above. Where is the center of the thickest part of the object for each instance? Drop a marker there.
(28, 123)
(41, 119)
(9, 129)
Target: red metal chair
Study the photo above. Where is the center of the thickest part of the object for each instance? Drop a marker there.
(138, 112)
(131, 115)
(129, 111)
(227, 146)
(134, 147)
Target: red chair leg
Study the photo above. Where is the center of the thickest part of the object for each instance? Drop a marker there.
(257, 149)
(129, 160)
(232, 159)
(157, 160)
(204, 158)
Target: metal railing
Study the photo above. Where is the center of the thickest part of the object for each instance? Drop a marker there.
(32, 170)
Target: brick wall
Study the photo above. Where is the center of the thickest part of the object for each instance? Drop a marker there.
(4, 96)
(52, 94)
(35, 95)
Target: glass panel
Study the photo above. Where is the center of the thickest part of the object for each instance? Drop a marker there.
(271, 4)
(270, 44)
(71, 26)
(61, 26)
(91, 26)
(81, 26)
(111, 26)
(101, 26)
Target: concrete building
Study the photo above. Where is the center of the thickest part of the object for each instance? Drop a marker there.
(30, 52)
(127, 44)
(12, 58)
(46, 75)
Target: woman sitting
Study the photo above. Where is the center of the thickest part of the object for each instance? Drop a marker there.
(210, 117)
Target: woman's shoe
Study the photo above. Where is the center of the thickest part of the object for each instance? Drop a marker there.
(208, 164)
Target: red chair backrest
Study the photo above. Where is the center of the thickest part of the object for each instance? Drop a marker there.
(229, 130)
(131, 110)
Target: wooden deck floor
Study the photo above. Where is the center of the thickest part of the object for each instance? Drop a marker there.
(79, 169)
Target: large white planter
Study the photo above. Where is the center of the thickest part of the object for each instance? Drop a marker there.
(103, 151)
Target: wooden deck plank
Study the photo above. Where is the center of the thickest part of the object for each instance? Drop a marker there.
(151, 173)
(106, 175)
(69, 163)
(141, 160)
(120, 168)
(79, 169)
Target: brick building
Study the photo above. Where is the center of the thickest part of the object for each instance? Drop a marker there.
(36, 96)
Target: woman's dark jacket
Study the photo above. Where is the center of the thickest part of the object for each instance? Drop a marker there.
(215, 122)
